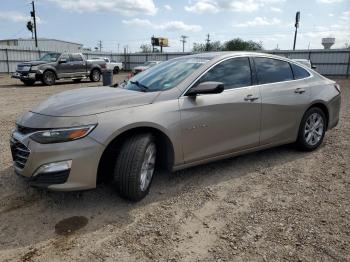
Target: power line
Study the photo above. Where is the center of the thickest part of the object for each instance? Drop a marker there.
(183, 40)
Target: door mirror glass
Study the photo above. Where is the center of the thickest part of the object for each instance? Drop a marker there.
(206, 88)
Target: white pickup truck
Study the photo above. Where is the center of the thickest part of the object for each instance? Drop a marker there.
(111, 65)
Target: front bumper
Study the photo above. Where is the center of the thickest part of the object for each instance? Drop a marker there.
(25, 75)
(83, 154)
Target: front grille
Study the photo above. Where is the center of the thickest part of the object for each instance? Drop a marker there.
(20, 153)
(51, 178)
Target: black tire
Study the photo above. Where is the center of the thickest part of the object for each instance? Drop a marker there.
(28, 82)
(77, 80)
(128, 168)
(48, 78)
(304, 135)
(95, 75)
(116, 70)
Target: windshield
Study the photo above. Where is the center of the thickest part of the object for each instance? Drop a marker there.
(165, 75)
(50, 57)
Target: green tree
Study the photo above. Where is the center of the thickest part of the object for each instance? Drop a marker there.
(238, 44)
(146, 48)
(214, 46)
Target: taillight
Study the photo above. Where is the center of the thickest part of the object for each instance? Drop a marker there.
(337, 87)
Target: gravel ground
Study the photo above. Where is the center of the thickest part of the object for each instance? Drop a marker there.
(274, 205)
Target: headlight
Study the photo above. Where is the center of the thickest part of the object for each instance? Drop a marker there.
(34, 68)
(61, 135)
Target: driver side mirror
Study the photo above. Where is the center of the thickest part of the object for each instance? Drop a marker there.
(206, 88)
(63, 60)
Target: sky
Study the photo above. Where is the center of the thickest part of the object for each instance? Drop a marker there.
(131, 23)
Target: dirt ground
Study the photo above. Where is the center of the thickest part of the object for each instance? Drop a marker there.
(274, 205)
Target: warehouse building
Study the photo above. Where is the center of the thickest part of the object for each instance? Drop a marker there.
(45, 44)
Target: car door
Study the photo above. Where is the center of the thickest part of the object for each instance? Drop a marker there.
(64, 66)
(217, 124)
(283, 100)
(78, 65)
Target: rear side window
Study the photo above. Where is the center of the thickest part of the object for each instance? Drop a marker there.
(233, 73)
(76, 57)
(272, 70)
(299, 72)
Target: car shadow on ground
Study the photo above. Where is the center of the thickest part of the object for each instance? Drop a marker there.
(36, 212)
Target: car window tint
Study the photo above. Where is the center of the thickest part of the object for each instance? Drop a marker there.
(76, 57)
(299, 72)
(272, 70)
(232, 73)
(65, 56)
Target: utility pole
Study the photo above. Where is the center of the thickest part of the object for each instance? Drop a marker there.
(208, 42)
(32, 14)
(297, 19)
(99, 45)
(183, 40)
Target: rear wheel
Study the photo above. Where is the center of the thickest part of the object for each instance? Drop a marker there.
(95, 75)
(312, 129)
(28, 82)
(49, 78)
(135, 166)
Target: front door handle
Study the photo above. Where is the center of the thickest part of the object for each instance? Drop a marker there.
(250, 98)
(299, 90)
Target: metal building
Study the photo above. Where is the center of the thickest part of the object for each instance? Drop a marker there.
(43, 44)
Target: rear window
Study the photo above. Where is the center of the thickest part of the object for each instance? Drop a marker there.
(76, 57)
(299, 72)
(272, 70)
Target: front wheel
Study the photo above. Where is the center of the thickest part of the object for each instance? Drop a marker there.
(95, 75)
(312, 129)
(49, 78)
(135, 166)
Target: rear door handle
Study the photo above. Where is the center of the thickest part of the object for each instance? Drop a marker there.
(250, 98)
(299, 90)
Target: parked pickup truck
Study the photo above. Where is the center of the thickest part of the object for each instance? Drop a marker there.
(111, 65)
(54, 66)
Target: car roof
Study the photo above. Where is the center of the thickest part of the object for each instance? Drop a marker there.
(224, 54)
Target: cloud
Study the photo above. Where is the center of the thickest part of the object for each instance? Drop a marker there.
(259, 21)
(168, 7)
(171, 26)
(124, 7)
(214, 6)
(204, 6)
(329, 1)
(345, 15)
(14, 16)
(276, 9)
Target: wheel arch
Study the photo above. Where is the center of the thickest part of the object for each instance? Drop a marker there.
(321, 105)
(165, 150)
(50, 69)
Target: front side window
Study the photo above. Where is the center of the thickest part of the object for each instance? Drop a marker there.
(272, 70)
(232, 73)
(299, 72)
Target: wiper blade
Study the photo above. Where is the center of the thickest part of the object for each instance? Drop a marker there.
(145, 88)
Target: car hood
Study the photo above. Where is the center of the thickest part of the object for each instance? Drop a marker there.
(33, 63)
(93, 100)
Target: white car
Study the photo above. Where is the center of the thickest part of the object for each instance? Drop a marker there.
(111, 65)
(145, 66)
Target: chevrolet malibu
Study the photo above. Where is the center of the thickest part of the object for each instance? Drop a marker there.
(184, 112)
